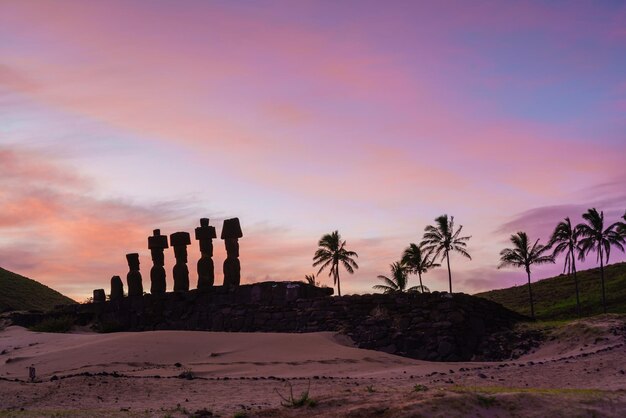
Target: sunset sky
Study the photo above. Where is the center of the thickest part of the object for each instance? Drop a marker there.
(302, 117)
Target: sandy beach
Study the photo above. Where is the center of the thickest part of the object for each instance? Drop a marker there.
(578, 371)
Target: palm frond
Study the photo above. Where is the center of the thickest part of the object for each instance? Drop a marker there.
(419, 288)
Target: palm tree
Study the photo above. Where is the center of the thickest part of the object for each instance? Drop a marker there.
(443, 239)
(565, 240)
(332, 252)
(418, 261)
(310, 279)
(398, 280)
(523, 255)
(594, 237)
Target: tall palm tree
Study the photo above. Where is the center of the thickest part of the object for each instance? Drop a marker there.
(398, 280)
(594, 237)
(524, 255)
(418, 261)
(565, 240)
(442, 239)
(331, 253)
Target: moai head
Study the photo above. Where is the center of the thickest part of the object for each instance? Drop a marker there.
(231, 232)
(133, 261)
(157, 243)
(99, 296)
(205, 234)
(180, 241)
(117, 288)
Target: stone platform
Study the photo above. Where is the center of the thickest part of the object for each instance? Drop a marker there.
(431, 326)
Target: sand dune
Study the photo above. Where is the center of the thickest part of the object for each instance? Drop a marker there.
(206, 353)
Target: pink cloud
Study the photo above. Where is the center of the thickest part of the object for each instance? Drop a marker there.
(222, 82)
(54, 231)
(339, 119)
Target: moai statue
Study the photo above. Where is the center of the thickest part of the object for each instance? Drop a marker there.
(231, 232)
(157, 243)
(133, 278)
(180, 241)
(206, 269)
(99, 296)
(117, 288)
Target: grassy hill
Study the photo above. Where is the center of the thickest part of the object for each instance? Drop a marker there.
(21, 293)
(555, 298)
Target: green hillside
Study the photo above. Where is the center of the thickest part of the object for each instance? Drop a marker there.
(555, 298)
(21, 293)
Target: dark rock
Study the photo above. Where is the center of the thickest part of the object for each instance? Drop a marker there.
(445, 348)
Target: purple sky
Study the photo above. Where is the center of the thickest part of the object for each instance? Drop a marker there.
(300, 118)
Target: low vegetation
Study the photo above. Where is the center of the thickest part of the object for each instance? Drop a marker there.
(58, 325)
(19, 293)
(545, 391)
(555, 297)
(289, 401)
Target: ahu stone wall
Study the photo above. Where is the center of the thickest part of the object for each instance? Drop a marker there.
(431, 326)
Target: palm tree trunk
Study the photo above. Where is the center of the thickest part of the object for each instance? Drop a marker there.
(602, 279)
(421, 285)
(530, 295)
(338, 282)
(576, 284)
(449, 273)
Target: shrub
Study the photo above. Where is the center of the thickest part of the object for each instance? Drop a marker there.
(60, 325)
(303, 400)
(105, 327)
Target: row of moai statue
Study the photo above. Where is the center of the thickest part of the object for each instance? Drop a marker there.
(157, 243)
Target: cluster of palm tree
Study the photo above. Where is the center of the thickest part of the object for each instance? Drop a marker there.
(576, 242)
(442, 239)
(438, 242)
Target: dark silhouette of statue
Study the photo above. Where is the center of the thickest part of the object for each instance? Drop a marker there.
(180, 241)
(117, 288)
(206, 269)
(231, 232)
(133, 278)
(157, 243)
(99, 296)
